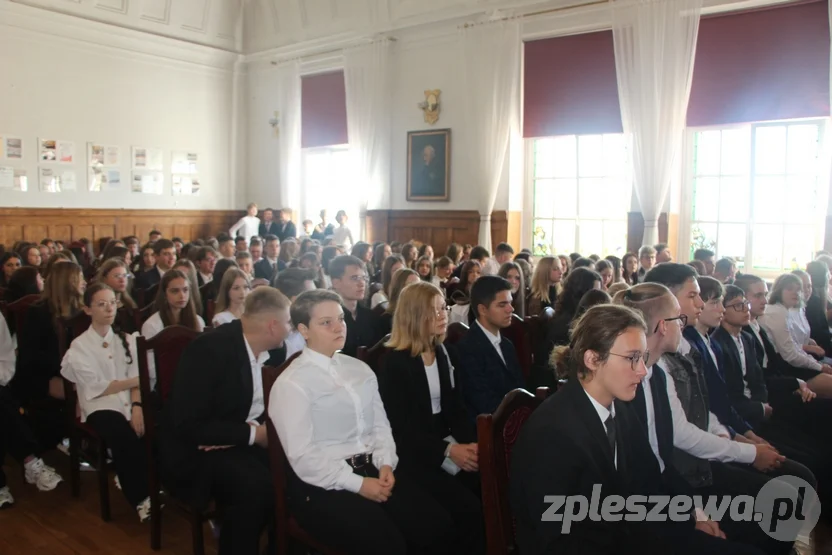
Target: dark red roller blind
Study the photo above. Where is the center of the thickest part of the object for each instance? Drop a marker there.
(323, 110)
(762, 65)
(569, 86)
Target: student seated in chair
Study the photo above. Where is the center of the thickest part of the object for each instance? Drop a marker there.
(165, 256)
(102, 365)
(212, 438)
(489, 367)
(435, 439)
(333, 428)
(349, 280)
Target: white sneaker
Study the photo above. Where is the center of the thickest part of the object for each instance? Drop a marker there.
(143, 509)
(6, 499)
(117, 483)
(44, 477)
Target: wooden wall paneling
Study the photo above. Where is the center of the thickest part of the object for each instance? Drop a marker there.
(10, 234)
(34, 233)
(59, 232)
(81, 232)
(183, 230)
(108, 230)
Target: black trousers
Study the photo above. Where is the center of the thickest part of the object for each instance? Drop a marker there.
(410, 522)
(455, 495)
(734, 480)
(129, 454)
(240, 481)
(16, 436)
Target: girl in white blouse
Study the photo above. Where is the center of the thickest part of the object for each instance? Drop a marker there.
(102, 365)
(234, 289)
(333, 428)
(784, 324)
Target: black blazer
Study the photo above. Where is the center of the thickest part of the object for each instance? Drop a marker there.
(38, 355)
(557, 333)
(209, 402)
(780, 376)
(750, 408)
(484, 377)
(563, 450)
(268, 228)
(148, 279)
(403, 385)
(816, 315)
(286, 231)
(264, 270)
(362, 331)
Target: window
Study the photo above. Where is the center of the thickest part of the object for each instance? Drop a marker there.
(582, 186)
(756, 196)
(329, 183)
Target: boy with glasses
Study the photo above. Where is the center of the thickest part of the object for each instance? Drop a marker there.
(349, 280)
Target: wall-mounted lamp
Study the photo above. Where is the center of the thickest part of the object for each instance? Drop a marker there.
(430, 106)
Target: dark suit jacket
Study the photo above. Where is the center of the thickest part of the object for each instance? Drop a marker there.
(268, 228)
(563, 450)
(816, 315)
(286, 231)
(779, 374)
(750, 408)
(720, 401)
(264, 270)
(148, 279)
(209, 403)
(557, 333)
(362, 331)
(38, 356)
(485, 377)
(403, 385)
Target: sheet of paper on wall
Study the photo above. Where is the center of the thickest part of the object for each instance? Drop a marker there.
(66, 152)
(147, 182)
(144, 158)
(103, 155)
(184, 162)
(113, 180)
(49, 182)
(11, 148)
(47, 150)
(185, 185)
(68, 180)
(21, 182)
(6, 177)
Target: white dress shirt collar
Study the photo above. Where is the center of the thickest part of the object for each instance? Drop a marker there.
(494, 339)
(260, 359)
(319, 359)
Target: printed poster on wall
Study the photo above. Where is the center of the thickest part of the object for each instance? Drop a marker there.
(143, 158)
(185, 185)
(51, 150)
(147, 182)
(13, 179)
(104, 180)
(103, 155)
(56, 180)
(11, 148)
(182, 162)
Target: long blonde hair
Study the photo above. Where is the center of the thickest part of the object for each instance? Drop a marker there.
(228, 278)
(60, 291)
(414, 320)
(540, 279)
(398, 284)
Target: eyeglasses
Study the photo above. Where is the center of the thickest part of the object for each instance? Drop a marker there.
(634, 358)
(740, 307)
(683, 321)
(105, 304)
(444, 310)
(359, 279)
(119, 276)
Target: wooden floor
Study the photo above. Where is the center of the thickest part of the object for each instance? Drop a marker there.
(55, 523)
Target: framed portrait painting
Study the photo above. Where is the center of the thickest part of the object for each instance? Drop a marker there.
(429, 165)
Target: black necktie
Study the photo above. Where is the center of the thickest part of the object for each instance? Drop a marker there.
(610, 425)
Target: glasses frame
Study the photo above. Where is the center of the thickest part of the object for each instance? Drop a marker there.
(683, 321)
(634, 358)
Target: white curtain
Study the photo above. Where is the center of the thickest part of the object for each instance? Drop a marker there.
(367, 79)
(655, 44)
(288, 105)
(491, 66)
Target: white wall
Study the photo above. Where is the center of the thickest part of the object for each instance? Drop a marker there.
(70, 79)
(263, 153)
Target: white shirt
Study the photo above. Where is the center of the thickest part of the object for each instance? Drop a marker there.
(294, 343)
(603, 414)
(343, 236)
(459, 313)
(705, 445)
(494, 339)
(652, 436)
(738, 342)
(378, 298)
(707, 341)
(206, 278)
(435, 387)
(92, 367)
(7, 356)
(250, 226)
(223, 317)
(755, 327)
(778, 326)
(258, 405)
(152, 327)
(326, 410)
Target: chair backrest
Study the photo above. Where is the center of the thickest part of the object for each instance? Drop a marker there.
(456, 331)
(68, 329)
(4, 306)
(537, 326)
(146, 313)
(277, 457)
(206, 292)
(210, 307)
(18, 308)
(380, 308)
(167, 346)
(150, 294)
(497, 434)
(518, 334)
(371, 356)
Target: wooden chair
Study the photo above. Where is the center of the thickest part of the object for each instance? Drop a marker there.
(518, 334)
(372, 356)
(146, 313)
(497, 434)
(537, 326)
(18, 308)
(286, 527)
(167, 346)
(380, 308)
(84, 442)
(210, 307)
(456, 331)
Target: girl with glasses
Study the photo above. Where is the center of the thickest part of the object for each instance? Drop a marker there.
(115, 274)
